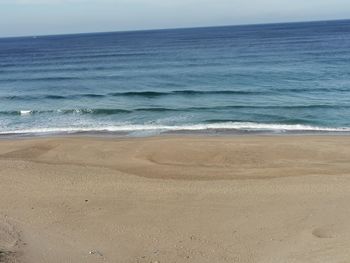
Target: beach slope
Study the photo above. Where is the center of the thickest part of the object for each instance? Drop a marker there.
(175, 199)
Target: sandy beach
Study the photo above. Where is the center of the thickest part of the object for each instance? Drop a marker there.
(175, 199)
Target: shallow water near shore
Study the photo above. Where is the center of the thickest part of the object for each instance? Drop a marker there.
(274, 79)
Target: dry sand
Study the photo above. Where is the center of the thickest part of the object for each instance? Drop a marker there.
(175, 199)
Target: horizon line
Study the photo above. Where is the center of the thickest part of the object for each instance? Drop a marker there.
(175, 28)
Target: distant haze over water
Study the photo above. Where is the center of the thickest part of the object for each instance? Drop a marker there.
(261, 78)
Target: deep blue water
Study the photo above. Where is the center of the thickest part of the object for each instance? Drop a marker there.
(274, 78)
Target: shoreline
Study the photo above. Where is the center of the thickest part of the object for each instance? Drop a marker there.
(175, 199)
(208, 129)
(178, 134)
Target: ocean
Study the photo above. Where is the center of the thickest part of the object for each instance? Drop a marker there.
(273, 78)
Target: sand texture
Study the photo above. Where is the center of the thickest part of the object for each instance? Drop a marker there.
(203, 199)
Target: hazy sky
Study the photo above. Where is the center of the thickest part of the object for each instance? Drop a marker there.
(37, 17)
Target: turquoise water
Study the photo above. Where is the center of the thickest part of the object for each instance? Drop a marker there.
(262, 78)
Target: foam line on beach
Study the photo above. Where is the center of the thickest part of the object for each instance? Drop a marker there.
(234, 126)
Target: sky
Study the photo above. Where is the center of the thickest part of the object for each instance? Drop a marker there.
(43, 17)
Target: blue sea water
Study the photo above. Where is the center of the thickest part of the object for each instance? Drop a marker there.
(257, 78)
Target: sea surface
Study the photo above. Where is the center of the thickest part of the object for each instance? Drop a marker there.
(274, 78)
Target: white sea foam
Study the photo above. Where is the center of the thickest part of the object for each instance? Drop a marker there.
(25, 112)
(234, 126)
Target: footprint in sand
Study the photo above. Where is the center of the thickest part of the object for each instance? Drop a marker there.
(324, 232)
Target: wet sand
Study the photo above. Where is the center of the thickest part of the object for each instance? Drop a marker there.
(175, 199)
